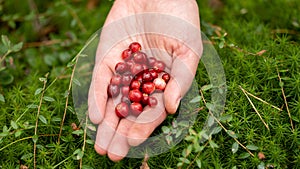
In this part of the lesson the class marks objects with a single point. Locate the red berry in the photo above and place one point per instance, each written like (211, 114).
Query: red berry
(116, 79)
(140, 57)
(135, 95)
(126, 54)
(126, 79)
(147, 77)
(122, 110)
(121, 67)
(159, 66)
(136, 68)
(153, 73)
(160, 84)
(166, 77)
(136, 108)
(145, 67)
(139, 77)
(152, 101)
(135, 84)
(126, 100)
(148, 87)
(151, 61)
(125, 90)
(145, 99)
(113, 90)
(135, 46)
(130, 64)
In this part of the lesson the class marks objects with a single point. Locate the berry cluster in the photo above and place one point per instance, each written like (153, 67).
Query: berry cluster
(136, 79)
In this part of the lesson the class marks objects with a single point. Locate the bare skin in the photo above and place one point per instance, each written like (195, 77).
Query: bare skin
(115, 136)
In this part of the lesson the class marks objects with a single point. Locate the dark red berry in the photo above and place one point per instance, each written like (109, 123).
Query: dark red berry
(151, 61)
(145, 99)
(136, 68)
(136, 108)
(153, 73)
(126, 54)
(126, 79)
(125, 90)
(159, 66)
(147, 77)
(122, 110)
(152, 101)
(116, 79)
(113, 90)
(148, 87)
(139, 78)
(140, 57)
(135, 47)
(135, 95)
(135, 84)
(121, 67)
(166, 77)
(160, 84)
(126, 100)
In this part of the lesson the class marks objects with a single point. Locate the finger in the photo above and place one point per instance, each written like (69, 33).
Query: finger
(106, 129)
(119, 146)
(182, 74)
(146, 122)
(97, 94)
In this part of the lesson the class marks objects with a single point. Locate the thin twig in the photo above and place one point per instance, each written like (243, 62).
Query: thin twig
(284, 97)
(42, 43)
(84, 139)
(257, 98)
(70, 86)
(37, 120)
(244, 147)
(5, 55)
(255, 108)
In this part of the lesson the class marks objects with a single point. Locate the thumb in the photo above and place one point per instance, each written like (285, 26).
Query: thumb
(182, 74)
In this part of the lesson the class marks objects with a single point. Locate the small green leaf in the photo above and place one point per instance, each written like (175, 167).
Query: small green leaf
(77, 132)
(213, 144)
(76, 81)
(42, 79)
(92, 142)
(6, 42)
(235, 147)
(206, 87)
(261, 166)
(18, 133)
(198, 162)
(244, 155)
(56, 119)
(221, 44)
(234, 167)
(184, 160)
(71, 109)
(169, 139)
(38, 91)
(179, 164)
(196, 99)
(79, 154)
(179, 132)
(216, 130)
(35, 138)
(49, 99)
(252, 147)
(32, 106)
(17, 47)
(210, 120)
(87, 167)
(210, 106)
(231, 134)
(281, 84)
(13, 124)
(165, 129)
(2, 99)
(43, 119)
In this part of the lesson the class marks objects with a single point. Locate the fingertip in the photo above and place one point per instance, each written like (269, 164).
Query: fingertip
(99, 150)
(115, 157)
(172, 96)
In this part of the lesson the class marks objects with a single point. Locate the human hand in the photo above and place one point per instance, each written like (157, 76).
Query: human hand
(115, 136)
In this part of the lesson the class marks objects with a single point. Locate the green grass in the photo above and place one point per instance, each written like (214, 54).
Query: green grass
(251, 26)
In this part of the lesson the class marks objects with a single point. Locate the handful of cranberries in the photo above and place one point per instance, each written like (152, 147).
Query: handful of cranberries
(136, 80)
